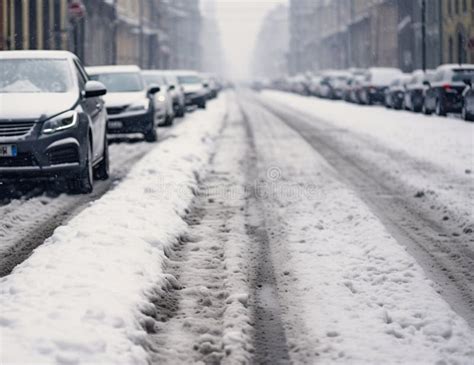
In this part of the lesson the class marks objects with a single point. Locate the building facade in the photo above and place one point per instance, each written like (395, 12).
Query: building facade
(148, 33)
(458, 31)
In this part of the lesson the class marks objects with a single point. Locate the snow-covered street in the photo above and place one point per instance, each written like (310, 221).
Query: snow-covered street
(270, 228)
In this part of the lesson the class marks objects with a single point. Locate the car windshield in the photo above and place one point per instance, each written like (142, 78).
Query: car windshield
(35, 76)
(462, 74)
(120, 82)
(153, 79)
(189, 79)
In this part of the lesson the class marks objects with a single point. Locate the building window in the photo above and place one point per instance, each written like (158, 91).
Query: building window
(451, 50)
(464, 6)
(456, 6)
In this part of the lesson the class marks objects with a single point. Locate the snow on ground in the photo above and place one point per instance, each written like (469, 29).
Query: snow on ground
(78, 298)
(21, 216)
(350, 292)
(431, 157)
(445, 142)
(211, 322)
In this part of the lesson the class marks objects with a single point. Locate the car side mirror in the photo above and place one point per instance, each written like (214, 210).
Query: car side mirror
(94, 89)
(427, 83)
(154, 89)
(171, 87)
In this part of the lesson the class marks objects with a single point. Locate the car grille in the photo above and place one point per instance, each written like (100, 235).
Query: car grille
(116, 110)
(63, 155)
(15, 129)
(22, 160)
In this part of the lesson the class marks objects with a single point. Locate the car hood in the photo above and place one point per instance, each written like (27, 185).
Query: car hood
(192, 88)
(35, 106)
(122, 99)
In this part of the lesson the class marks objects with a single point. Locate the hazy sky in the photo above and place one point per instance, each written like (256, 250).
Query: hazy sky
(239, 21)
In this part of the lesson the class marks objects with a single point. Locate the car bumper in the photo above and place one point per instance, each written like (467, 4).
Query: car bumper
(40, 156)
(124, 124)
(195, 99)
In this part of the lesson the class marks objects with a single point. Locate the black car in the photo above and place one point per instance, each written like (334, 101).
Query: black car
(376, 82)
(445, 93)
(52, 120)
(415, 90)
(468, 102)
(129, 101)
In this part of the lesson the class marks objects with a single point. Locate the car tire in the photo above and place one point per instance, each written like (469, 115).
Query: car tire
(151, 135)
(102, 171)
(439, 109)
(84, 183)
(181, 111)
(466, 115)
(202, 105)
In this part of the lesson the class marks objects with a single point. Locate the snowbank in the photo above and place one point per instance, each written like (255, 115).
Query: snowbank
(77, 299)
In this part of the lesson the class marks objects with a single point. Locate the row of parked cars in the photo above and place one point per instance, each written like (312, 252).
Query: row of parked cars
(448, 89)
(56, 115)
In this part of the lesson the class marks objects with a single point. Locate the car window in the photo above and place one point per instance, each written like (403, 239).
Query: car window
(118, 82)
(81, 76)
(35, 76)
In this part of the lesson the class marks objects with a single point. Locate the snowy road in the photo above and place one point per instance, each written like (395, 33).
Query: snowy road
(269, 229)
(423, 204)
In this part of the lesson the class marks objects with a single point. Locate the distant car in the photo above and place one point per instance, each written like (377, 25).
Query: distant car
(333, 83)
(445, 93)
(164, 111)
(356, 88)
(376, 82)
(395, 94)
(468, 101)
(130, 104)
(195, 90)
(177, 92)
(415, 90)
(52, 120)
(213, 85)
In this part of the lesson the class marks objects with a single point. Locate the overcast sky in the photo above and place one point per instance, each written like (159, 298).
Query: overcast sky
(240, 21)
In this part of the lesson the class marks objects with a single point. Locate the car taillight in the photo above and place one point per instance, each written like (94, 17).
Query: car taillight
(447, 87)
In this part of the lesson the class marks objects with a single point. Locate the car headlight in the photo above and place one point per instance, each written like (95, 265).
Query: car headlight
(139, 106)
(60, 122)
(161, 98)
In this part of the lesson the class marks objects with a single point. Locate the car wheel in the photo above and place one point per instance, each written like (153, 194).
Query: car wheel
(425, 110)
(84, 183)
(202, 105)
(181, 111)
(102, 172)
(439, 109)
(466, 115)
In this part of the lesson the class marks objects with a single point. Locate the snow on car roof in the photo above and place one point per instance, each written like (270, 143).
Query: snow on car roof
(112, 69)
(36, 54)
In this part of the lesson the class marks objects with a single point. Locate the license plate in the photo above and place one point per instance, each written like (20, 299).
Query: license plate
(115, 125)
(8, 150)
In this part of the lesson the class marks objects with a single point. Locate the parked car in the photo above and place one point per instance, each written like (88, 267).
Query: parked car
(333, 83)
(177, 93)
(376, 82)
(130, 104)
(445, 93)
(356, 89)
(395, 94)
(468, 101)
(52, 120)
(213, 85)
(195, 89)
(163, 99)
(415, 90)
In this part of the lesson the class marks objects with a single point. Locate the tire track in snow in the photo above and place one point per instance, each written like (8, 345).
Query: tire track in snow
(443, 256)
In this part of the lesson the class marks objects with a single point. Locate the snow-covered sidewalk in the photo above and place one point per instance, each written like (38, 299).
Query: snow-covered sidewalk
(78, 299)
